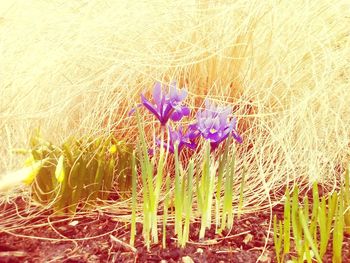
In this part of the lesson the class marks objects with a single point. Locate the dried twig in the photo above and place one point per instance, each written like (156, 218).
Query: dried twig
(123, 244)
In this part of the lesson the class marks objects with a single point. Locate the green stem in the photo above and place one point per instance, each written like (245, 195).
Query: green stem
(134, 201)
(178, 196)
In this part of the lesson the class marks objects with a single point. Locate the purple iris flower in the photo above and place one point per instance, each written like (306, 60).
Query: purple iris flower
(167, 106)
(213, 125)
(184, 139)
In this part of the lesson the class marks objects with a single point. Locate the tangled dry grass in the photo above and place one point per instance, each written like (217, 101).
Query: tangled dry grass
(79, 66)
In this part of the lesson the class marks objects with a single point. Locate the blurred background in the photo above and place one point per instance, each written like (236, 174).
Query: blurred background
(77, 67)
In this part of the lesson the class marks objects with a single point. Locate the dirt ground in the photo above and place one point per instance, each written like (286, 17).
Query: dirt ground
(99, 237)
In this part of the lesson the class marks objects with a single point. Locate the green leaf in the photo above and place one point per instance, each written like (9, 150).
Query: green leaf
(309, 239)
(306, 208)
(286, 223)
(297, 233)
(29, 173)
(346, 196)
(59, 172)
(188, 205)
(315, 206)
(221, 169)
(166, 206)
(277, 236)
(322, 220)
(332, 206)
(134, 201)
(338, 235)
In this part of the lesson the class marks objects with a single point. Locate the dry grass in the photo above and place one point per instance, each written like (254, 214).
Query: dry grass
(78, 67)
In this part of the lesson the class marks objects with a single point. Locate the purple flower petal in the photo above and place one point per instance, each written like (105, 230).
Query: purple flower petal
(172, 91)
(149, 106)
(176, 116)
(223, 136)
(212, 124)
(208, 123)
(166, 114)
(214, 137)
(167, 105)
(191, 145)
(179, 113)
(233, 123)
(237, 137)
(182, 94)
(224, 115)
(132, 111)
(150, 152)
(178, 136)
(207, 104)
(157, 94)
(214, 145)
(185, 111)
(193, 132)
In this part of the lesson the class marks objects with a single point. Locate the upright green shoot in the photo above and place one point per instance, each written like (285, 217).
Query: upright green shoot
(240, 203)
(151, 191)
(221, 170)
(322, 221)
(227, 211)
(338, 235)
(183, 199)
(188, 204)
(277, 238)
(205, 191)
(178, 202)
(286, 225)
(346, 196)
(78, 172)
(296, 227)
(314, 215)
(166, 207)
(308, 237)
(133, 200)
(326, 213)
(325, 219)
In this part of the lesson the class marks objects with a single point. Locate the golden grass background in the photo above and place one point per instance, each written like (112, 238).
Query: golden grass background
(74, 67)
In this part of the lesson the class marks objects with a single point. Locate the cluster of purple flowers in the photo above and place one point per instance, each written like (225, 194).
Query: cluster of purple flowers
(167, 106)
(213, 123)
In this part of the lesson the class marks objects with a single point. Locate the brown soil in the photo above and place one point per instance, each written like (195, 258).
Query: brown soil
(98, 237)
